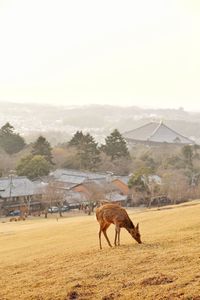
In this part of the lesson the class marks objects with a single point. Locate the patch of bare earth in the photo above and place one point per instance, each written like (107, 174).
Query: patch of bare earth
(157, 280)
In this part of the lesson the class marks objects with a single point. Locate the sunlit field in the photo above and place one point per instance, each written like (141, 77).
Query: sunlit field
(60, 259)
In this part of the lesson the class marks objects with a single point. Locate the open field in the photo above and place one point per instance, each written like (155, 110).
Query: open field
(49, 259)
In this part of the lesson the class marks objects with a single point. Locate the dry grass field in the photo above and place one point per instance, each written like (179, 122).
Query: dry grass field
(49, 259)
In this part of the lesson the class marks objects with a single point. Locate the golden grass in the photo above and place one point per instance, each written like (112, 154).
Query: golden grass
(48, 259)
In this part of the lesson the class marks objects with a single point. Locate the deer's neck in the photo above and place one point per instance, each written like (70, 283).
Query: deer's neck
(128, 224)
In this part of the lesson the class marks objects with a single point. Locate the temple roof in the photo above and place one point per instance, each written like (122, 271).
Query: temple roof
(156, 132)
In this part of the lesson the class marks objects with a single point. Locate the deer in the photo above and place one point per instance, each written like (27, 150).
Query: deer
(108, 214)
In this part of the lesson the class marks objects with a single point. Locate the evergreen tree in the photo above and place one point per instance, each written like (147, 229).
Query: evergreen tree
(42, 147)
(191, 166)
(76, 139)
(88, 154)
(139, 180)
(33, 166)
(10, 141)
(115, 146)
(7, 129)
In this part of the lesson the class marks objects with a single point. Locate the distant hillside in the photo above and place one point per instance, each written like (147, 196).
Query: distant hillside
(59, 123)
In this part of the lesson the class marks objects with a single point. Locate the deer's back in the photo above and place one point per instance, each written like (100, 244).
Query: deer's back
(112, 213)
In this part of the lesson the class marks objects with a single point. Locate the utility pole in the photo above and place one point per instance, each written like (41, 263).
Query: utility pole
(11, 175)
(109, 181)
(11, 184)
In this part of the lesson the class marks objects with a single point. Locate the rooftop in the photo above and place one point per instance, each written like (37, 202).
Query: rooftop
(156, 132)
(17, 186)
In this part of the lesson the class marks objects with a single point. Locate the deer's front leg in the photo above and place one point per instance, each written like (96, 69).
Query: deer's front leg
(100, 239)
(115, 242)
(117, 235)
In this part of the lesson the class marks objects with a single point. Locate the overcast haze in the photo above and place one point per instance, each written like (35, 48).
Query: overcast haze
(144, 53)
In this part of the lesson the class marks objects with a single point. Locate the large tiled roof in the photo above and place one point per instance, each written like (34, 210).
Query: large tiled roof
(17, 186)
(156, 132)
(77, 177)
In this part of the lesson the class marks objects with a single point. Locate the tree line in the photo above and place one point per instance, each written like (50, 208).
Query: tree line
(81, 152)
(178, 166)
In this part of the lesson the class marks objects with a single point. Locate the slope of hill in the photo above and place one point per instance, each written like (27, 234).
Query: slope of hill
(49, 259)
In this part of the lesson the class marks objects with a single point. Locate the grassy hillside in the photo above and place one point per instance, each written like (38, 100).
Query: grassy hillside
(49, 259)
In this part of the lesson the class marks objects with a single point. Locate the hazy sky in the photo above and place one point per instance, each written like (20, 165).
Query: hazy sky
(144, 53)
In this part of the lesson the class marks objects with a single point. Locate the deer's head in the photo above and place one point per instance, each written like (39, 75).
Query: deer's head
(136, 233)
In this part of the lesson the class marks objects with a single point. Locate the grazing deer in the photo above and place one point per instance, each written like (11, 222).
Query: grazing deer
(114, 214)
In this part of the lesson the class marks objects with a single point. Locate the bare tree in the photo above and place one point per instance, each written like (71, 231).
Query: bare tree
(176, 186)
(95, 193)
(54, 195)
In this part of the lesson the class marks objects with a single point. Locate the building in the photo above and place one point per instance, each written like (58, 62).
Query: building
(121, 183)
(74, 199)
(91, 186)
(19, 193)
(156, 133)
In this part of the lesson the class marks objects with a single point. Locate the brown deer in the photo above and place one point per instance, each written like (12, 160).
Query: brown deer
(108, 214)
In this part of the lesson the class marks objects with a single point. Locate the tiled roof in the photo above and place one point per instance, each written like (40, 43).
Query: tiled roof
(156, 132)
(18, 186)
(114, 196)
(141, 133)
(77, 177)
(71, 178)
(124, 179)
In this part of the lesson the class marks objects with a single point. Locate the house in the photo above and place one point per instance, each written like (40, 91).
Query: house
(117, 197)
(115, 190)
(75, 176)
(74, 199)
(91, 186)
(156, 133)
(93, 189)
(121, 182)
(69, 178)
(19, 192)
(86, 187)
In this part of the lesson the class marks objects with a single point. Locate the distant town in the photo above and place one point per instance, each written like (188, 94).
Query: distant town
(151, 165)
(58, 124)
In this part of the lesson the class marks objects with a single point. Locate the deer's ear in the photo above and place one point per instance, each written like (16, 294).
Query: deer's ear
(137, 226)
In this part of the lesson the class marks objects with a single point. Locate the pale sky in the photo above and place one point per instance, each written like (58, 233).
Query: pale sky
(75, 52)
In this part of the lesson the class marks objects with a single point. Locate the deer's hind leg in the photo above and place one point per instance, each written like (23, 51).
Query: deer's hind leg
(105, 234)
(100, 238)
(104, 227)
